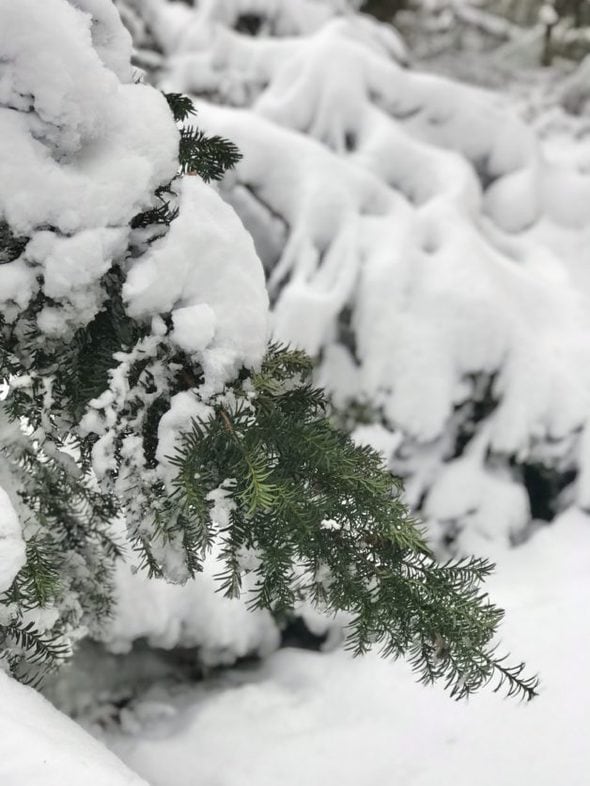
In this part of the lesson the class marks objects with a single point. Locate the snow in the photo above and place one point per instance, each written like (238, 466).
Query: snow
(330, 719)
(429, 247)
(206, 272)
(12, 545)
(548, 15)
(194, 615)
(82, 156)
(41, 747)
(575, 92)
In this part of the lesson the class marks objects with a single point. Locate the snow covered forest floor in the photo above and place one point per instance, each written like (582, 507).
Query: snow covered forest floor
(323, 719)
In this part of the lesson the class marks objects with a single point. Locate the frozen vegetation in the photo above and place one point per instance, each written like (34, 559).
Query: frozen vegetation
(426, 242)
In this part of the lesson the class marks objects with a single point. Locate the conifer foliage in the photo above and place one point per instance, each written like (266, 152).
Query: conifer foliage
(110, 412)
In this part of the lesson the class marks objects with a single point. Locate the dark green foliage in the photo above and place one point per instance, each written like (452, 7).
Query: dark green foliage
(36, 651)
(69, 563)
(327, 523)
(164, 214)
(208, 156)
(180, 105)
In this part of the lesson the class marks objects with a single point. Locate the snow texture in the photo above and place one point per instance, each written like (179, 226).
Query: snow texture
(41, 747)
(81, 156)
(206, 273)
(79, 159)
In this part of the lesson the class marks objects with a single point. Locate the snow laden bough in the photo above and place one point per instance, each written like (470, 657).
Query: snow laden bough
(133, 336)
(415, 236)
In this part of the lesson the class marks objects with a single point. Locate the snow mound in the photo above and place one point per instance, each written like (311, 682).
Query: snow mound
(304, 717)
(41, 747)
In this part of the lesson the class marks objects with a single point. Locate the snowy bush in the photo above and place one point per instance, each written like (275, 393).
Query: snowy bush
(397, 215)
(141, 408)
(85, 164)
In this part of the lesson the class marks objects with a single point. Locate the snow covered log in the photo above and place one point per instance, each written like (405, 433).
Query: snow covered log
(404, 221)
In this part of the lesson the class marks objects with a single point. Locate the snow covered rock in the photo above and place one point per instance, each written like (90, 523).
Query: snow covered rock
(41, 747)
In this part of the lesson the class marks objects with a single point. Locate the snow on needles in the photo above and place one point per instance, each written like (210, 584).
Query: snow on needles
(84, 149)
(206, 272)
(79, 155)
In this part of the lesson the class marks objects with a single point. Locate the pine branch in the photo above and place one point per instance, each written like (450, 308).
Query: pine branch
(209, 157)
(180, 105)
(304, 495)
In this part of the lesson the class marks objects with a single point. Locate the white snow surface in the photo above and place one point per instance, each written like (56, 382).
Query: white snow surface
(41, 747)
(206, 272)
(327, 719)
(12, 545)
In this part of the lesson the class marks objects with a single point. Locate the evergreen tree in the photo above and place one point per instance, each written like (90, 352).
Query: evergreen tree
(92, 390)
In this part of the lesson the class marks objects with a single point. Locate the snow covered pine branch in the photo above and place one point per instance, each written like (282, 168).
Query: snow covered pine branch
(139, 387)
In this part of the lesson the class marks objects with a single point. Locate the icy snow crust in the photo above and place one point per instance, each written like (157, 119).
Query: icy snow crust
(395, 214)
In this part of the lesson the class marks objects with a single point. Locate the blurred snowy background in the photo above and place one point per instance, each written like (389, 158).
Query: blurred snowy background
(416, 178)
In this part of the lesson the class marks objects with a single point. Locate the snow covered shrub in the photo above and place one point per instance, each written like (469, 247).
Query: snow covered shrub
(139, 390)
(408, 226)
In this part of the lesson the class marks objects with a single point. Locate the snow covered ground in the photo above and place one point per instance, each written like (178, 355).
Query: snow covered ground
(329, 720)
